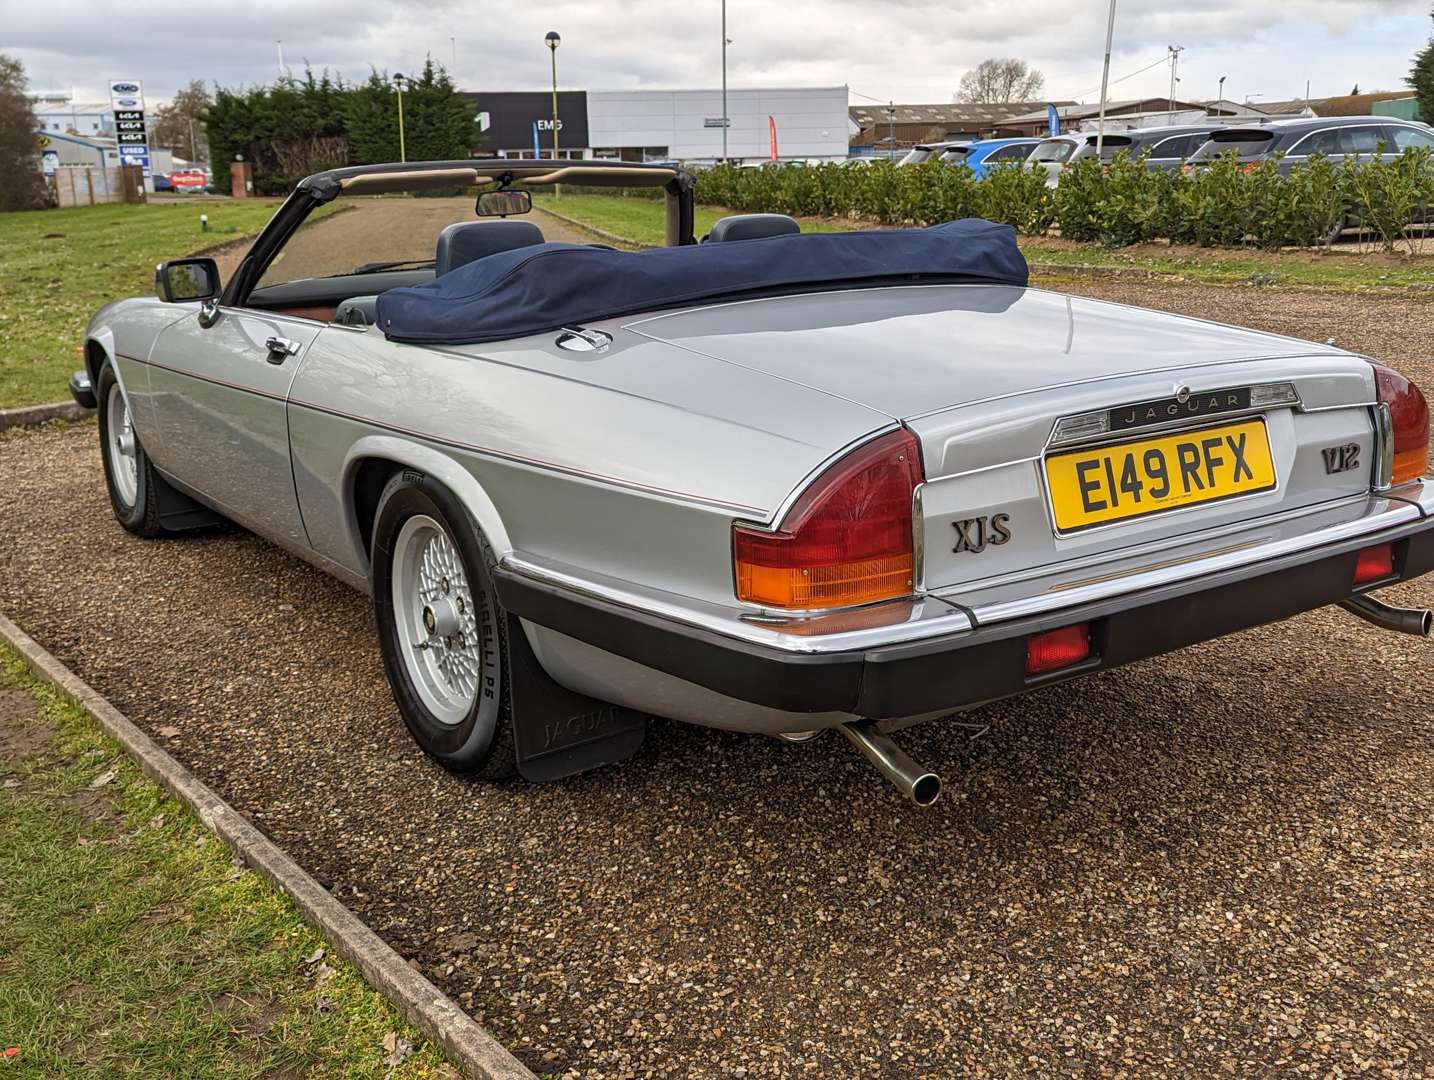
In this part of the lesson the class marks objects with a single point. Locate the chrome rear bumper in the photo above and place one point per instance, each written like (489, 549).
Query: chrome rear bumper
(940, 653)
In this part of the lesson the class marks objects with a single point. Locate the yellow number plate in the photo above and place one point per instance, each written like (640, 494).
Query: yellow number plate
(1113, 483)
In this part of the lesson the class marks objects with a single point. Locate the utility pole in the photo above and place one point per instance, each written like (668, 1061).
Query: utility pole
(453, 44)
(725, 43)
(281, 57)
(1175, 51)
(1104, 82)
(891, 127)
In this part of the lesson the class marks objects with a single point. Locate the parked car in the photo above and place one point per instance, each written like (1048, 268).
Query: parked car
(979, 156)
(777, 482)
(1358, 138)
(1059, 152)
(926, 151)
(1167, 148)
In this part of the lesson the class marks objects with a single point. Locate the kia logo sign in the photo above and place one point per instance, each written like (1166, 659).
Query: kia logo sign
(124, 88)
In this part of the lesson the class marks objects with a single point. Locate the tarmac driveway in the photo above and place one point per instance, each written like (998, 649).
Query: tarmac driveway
(1221, 862)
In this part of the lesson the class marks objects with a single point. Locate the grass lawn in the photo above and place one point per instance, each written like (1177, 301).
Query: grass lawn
(1345, 267)
(130, 943)
(58, 266)
(641, 221)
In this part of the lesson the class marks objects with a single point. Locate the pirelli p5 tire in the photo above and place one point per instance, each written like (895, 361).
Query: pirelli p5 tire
(134, 486)
(441, 628)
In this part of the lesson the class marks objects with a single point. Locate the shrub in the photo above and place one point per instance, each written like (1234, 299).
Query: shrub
(1016, 195)
(1211, 204)
(1225, 202)
(1386, 194)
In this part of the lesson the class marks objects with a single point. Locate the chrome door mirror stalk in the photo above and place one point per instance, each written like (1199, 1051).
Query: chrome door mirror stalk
(208, 313)
(1416, 621)
(918, 784)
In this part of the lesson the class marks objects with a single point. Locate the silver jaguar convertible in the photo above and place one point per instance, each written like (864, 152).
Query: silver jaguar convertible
(768, 480)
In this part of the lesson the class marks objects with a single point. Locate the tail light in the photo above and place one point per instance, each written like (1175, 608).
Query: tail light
(847, 539)
(1056, 649)
(1409, 414)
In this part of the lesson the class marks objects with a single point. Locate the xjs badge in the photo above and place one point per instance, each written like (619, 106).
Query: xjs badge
(976, 534)
(1338, 459)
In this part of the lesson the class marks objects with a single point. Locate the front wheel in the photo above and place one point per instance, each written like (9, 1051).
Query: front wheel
(441, 628)
(130, 478)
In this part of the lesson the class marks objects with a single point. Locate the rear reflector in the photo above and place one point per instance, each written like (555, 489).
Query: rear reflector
(1374, 564)
(1056, 649)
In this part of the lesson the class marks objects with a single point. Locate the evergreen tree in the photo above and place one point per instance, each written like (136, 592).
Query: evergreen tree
(1421, 77)
(22, 185)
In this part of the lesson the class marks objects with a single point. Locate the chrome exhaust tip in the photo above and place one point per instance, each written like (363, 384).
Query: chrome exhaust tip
(917, 784)
(1416, 621)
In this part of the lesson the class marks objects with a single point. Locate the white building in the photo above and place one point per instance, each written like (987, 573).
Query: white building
(686, 125)
(59, 112)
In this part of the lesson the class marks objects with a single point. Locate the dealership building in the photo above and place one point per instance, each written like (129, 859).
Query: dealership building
(810, 124)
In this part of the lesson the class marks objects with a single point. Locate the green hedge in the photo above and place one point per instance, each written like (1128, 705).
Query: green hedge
(1226, 203)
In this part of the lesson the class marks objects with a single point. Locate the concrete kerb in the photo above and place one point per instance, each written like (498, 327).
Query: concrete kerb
(469, 1046)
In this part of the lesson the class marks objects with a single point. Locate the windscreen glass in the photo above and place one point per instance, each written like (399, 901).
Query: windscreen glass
(1243, 143)
(368, 234)
(1053, 150)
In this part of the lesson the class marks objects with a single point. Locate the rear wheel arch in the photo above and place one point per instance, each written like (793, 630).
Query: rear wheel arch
(374, 461)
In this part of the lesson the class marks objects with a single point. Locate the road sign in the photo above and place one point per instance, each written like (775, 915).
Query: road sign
(127, 103)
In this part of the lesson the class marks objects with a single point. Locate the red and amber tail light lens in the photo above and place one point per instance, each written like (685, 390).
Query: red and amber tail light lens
(847, 540)
(1409, 413)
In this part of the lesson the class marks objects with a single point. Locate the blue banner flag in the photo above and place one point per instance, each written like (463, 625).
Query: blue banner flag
(1053, 118)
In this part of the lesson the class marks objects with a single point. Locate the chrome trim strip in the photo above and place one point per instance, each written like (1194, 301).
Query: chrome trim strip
(1383, 448)
(1163, 574)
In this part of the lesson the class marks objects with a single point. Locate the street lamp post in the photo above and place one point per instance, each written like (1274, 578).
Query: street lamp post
(398, 86)
(554, 40)
(725, 43)
(1220, 94)
(1104, 82)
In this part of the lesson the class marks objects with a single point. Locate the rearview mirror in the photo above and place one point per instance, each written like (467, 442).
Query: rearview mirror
(181, 281)
(503, 203)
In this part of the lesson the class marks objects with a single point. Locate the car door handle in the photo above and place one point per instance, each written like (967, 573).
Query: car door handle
(281, 348)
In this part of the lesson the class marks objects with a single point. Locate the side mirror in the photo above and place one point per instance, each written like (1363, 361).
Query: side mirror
(503, 203)
(181, 281)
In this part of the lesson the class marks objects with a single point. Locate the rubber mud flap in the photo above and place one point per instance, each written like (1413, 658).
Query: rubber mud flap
(178, 512)
(558, 733)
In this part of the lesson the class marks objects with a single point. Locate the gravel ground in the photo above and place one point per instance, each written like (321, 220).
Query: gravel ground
(1220, 862)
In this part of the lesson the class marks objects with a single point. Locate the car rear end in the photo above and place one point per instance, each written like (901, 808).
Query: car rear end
(1064, 487)
(1251, 145)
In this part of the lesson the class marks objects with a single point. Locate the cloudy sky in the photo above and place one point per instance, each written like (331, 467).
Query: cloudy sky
(907, 50)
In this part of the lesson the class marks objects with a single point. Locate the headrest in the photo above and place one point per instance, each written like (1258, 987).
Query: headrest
(752, 227)
(468, 240)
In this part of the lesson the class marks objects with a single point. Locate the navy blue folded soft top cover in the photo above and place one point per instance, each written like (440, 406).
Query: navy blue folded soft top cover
(548, 286)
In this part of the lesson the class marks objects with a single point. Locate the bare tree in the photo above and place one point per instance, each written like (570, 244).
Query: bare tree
(998, 81)
(179, 125)
(22, 186)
